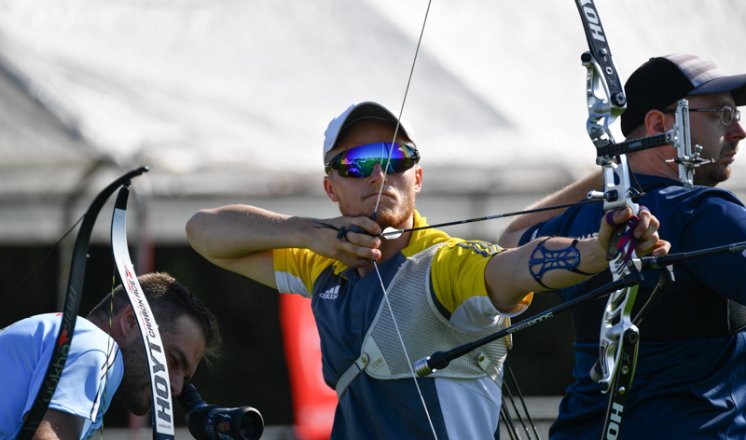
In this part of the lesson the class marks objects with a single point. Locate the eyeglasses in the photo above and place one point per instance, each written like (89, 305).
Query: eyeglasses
(360, 161)
(728, 114)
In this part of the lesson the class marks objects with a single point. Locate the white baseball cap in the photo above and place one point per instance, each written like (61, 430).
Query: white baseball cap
(357, 112)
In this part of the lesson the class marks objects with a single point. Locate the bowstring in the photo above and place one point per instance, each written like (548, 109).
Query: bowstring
(109, 340)
(406, 355)
(375, 210)
(403, 103)
(512, 392)
(8, 296)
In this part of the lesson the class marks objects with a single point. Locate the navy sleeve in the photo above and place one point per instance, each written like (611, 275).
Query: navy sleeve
(717, 221)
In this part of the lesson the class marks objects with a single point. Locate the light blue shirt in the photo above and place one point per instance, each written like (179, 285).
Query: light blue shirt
(91, 376)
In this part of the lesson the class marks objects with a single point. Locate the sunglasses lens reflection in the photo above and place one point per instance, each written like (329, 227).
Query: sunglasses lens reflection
(360, 161)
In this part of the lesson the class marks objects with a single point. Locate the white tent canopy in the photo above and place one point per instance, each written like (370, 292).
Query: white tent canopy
(227, 100)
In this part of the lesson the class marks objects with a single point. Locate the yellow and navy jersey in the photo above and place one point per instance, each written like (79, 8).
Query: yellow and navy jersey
(457, 276)
(345, 304)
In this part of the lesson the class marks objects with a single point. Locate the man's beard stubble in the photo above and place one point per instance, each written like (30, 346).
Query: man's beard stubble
(396, 217)
(712, 174)
(134, 391)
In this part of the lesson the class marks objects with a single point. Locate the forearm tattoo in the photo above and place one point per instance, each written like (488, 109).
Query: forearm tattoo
(543, 260)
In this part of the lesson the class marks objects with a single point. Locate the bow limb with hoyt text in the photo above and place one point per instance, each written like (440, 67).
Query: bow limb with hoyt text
(619, 337)
(162, 410)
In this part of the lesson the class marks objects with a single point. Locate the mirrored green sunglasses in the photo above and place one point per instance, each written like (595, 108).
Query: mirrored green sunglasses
(359, 161)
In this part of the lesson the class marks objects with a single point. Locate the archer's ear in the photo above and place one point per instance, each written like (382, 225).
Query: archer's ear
(418, 178)
(127, 321)
(329, 189)
(656, 122)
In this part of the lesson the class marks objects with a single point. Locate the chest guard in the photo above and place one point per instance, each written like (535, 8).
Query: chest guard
(424, 331)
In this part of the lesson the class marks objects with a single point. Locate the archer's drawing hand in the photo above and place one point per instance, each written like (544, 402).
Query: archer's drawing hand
(645, 232)
(353, 241)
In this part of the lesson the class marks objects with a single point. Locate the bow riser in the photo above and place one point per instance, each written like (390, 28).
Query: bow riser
(601, 111)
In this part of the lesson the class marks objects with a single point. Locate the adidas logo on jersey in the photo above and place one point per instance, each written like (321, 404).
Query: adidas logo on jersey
(330, 293)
